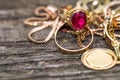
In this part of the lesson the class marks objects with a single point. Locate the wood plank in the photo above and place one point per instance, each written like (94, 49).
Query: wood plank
(22, 60)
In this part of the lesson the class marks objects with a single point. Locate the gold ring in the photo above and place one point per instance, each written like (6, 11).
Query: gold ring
(77, 20)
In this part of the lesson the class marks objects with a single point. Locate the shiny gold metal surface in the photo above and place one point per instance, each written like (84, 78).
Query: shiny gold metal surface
(99, 58)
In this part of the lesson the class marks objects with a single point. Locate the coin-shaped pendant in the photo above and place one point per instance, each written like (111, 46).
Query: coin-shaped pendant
(99, 58)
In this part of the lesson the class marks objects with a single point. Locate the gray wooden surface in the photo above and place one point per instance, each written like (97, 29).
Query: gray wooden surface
(22, 60)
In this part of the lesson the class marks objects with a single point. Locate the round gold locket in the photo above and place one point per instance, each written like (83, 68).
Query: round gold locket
(99, 58)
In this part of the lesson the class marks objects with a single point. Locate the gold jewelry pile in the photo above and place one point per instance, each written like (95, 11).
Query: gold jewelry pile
(77, 21)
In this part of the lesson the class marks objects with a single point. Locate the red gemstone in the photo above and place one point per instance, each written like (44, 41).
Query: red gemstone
(78, 20)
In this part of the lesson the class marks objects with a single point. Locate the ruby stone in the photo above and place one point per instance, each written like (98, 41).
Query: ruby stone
(78, 20)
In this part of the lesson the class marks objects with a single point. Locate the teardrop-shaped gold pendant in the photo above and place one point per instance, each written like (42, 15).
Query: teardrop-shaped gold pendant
(99, 58)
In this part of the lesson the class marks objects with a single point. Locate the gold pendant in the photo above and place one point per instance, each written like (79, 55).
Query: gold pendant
(99, 58)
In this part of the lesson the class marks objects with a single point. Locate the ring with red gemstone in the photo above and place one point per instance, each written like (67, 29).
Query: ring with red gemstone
(77, 20)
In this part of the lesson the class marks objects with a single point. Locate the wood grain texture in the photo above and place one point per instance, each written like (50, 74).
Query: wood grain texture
(22, 60)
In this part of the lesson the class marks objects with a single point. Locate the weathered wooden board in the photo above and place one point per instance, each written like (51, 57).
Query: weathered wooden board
(22, 60)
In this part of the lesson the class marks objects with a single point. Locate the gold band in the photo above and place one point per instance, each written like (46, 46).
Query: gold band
(68, 50)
